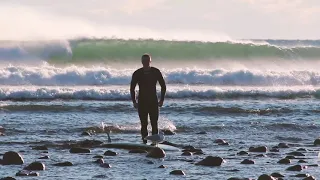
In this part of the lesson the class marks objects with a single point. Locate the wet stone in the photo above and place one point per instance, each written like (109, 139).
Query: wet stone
(67, 163)
(277, 175)
(247, 161)
(283, 145)
(242, 153)
(284, 161)
(110, 153)
(177, 172)
(296, 153)
(258, 149)
(295, 168)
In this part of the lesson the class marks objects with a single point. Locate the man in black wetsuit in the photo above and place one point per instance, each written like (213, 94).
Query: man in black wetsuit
(147, 78)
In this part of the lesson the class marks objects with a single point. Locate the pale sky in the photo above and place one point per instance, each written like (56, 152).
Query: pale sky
(167, 19)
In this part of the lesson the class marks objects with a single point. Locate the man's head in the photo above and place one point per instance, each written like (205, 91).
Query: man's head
(146, 60)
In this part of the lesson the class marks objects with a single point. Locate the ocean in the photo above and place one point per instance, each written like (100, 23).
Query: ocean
(247, 92)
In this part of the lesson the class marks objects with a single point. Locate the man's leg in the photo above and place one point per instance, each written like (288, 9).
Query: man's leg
(154, 115)
(143, 115)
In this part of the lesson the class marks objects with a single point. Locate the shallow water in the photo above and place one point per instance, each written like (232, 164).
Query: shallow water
(242, 122)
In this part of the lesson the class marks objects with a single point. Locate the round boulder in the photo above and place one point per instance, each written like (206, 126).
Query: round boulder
(295, 168)
(266, 177)
(258, 149)
(156, 153)
(211, 161)
(67, 163)
(110, 153)
(12, 158)
(177, 172)
(8, 178)
(277, 175)
(296, 153)
(284, 161)
(247, 161)
(242, 153)
(317, 142)
(35, 166)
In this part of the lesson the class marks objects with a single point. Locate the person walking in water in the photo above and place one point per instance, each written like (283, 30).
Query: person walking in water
(148, 104)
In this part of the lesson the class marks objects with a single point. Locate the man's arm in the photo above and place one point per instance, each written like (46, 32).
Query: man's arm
(163, 86)
(133, 84)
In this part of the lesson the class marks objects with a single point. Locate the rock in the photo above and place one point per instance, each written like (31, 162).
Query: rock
(67, 163)
(168, 132)
(99, 161)
(283, 145)
(302, 150)
(317, 142)
(211, 161)
(105, 165)
(12, 158)
(35, 166)
(266, 177)
(110, 153)
(224, 144)
(296, 153)
(313, 165)
(258, 149)
(202, 132)
(100, 177)
(34, 174)
(156, 153)
(8, 178)
(141, 151)
(302, 161)
(97, 156)
(284, 161)
(242, 153)
(150, 162)
(161, 166)
(219, 141)
(42, 148)
(295, 168)
(44, 157)
(290, 157)
(186, 153)
(277, 175)
(274, 150)
(309, 178)
(177, 172)
(85, 133)
(302, 175)
(22, 173)
(79, 150)
(247, 161)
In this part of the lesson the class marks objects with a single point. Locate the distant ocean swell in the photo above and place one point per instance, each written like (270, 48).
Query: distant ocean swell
(21, 94)
(72, 75)
(113, 50)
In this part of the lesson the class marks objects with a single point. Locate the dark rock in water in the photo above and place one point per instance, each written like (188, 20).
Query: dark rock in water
(258, 149)
(22, 173)
(156, 153)
(317, 142)
(35, 166)
(177, 172)
(261, 155)
(274, 150)
(12, 158)
(99, 161)
(110, 153)
(242, 153)
(302, 150)
(302, 161)
(211, 161)
(138, 151)
(67, 163)
(284, 161)
(45, 152)
(97, 156)
(313, 165)
(161, 166)
(295, 168)
(42, 148)
(105, 165)
(309, 178)
(266, 177)
(86, 133)
(8, 178)
(233, 170)
(219, 141)
(295, 153)
(224, 144)
(290, 157)
(283, 145)
(100, 176)
(202, 132)
(302, 175)
(247, 161)
(186, 153)
(1, 161)
(150, 162)
(79, 150)
(168, 132)
(277, 175)
(34, 174)
(44, 157)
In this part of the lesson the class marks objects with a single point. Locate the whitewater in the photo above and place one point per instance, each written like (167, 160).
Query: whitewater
(246, 92)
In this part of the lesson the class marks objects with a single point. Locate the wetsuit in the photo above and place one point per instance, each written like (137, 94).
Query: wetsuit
(147, 97)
